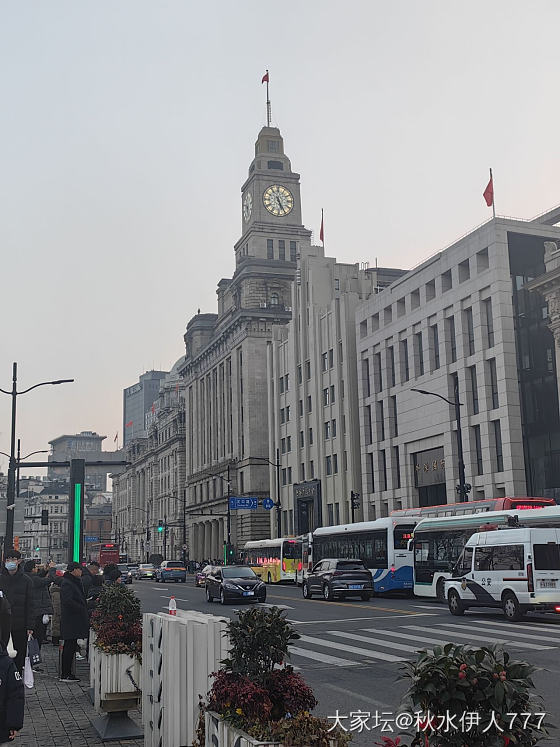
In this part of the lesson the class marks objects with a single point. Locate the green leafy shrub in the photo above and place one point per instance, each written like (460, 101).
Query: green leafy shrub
(457, 679)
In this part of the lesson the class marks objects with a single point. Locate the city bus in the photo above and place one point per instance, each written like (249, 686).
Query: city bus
(472, 507)
(382, 545)
(105, 552)
(273, 560)
(438, 541)
(305, 550)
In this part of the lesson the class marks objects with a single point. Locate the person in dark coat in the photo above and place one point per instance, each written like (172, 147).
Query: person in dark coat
(18, 590)
(42, 603)
(89, 573)
(12, 698)
(74, 622)
(54, 591)
(111, 574)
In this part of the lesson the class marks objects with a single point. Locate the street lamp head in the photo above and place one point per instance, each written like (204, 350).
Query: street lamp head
(62, 381)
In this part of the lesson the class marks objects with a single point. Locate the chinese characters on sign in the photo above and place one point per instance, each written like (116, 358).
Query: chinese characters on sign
(429, 467)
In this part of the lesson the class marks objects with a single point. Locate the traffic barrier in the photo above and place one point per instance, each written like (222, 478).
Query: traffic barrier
(179, 653)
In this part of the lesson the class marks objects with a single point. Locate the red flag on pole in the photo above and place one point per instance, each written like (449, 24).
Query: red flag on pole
(116, 437)
(153, 407)
(488, 193)
(265, 78)
(128, 424)
(322, 231)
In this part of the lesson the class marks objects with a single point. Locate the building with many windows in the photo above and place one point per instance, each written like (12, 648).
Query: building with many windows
(464, 319)
(225, 367)
(85, 445)
(312, 392)
(137, 404)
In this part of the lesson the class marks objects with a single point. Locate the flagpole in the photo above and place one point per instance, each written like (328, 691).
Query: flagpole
(493, 195)
(322, 229)
(268, 113)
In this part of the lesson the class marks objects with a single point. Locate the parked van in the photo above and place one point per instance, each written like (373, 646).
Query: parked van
(515, 569)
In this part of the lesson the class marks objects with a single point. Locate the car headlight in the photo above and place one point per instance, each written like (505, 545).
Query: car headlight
(230, 586)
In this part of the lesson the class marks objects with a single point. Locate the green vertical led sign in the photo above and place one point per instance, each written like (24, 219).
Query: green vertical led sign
(77, 522)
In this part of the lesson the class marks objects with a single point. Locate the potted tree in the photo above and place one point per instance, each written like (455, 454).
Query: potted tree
(117, 624)
(468, 697)
(255, 698)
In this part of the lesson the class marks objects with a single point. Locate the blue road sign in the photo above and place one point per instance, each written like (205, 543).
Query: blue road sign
(236, 503)
(91, 539)
(268, 503)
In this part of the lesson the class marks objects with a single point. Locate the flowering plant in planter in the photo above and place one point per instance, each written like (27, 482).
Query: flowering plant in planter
(117, 621)
(455, 681)
(254, 695)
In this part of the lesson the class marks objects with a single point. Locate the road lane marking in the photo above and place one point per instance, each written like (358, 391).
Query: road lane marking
(357, 696)
(538, 637)
(473, 637)
(323, 658)
(428, 606)
(350, 649)
(377, 641)
(407, 636)
(526, 626)
(349, 604)
(351, 619)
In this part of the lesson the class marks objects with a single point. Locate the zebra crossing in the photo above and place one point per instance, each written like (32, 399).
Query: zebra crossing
(370, 645)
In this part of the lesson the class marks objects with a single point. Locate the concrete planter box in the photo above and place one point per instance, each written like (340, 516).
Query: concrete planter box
(116, 678)
(221, 734)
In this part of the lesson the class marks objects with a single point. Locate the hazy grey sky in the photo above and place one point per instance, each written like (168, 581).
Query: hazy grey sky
(127, 128)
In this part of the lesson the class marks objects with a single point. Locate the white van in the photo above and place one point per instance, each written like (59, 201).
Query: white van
(515, 569)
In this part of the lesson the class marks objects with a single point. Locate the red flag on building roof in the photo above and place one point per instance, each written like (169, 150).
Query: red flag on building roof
(265, 78)
(128, 424)
(153, 407)
(322, 231)
(488, 193)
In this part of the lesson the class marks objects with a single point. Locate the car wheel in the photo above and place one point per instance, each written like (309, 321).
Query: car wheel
(209, 597)
(306, 591)
(222, 597)
(455, 604)
(440, 590)
(327, 593)
(511, 607)
(269, 579)
(366, 596)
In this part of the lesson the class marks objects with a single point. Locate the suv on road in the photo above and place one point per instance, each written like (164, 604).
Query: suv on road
(337, 577)
(172, 570)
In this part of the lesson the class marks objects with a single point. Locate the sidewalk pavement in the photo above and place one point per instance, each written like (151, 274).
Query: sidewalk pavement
(59, 714)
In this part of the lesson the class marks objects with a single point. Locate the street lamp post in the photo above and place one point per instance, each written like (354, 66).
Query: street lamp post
(463, 488)
(11, 487)
(278, 504)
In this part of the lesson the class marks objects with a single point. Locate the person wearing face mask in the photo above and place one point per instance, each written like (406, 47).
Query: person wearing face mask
(74, 622)
(18, 590)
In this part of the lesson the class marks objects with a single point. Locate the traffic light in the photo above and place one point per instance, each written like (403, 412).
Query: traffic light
(160, 525)
(229, 554)
(37, 548)
(44, 517)
(355, 499)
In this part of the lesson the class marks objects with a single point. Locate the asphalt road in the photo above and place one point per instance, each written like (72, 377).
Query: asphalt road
(350, 651)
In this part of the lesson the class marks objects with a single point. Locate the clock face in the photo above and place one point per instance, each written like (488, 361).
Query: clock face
(247, 206)
(278, 200)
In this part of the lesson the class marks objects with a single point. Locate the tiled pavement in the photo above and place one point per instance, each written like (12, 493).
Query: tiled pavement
(59, 714)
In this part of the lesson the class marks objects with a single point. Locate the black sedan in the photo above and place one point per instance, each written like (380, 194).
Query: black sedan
(332, 577)
(126, 573)
(237, 583)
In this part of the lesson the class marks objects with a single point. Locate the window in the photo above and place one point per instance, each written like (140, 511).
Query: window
(282, 416)
(405, 371)
(327, 429)
(287, 382)
(276, 165)
(282, 250)
(468, 330)
(369, 430)
(328, 465)
(310, 436)
(311, 469)
(273, 146)
(288, 444)
(396, 467)
(478, 450)
(391, 360)
(289, 475)
(500, 558)
(307, 370)
(299, 375)
(380, 421)
(332, 394)
(435, 346)
(493, 382)
(340, 352)
(378, 372)
(269, 249)
(419, 354)
(281, 385)
(274, 299)
(498, 445)
(430, 290)
(464, 271)
(383, 469)
(331, 358)
(293, 251)
(482, 262)
(284, 476)
(547, 557)
(335, 463)
(474, 389)
(337, 284)
(489, 321)
(302, 471)
(451, 340)
(415, 299)
(394, 415)
(464, 564)
(300, 408)
(446, 281)
(301, 440)
(365, 377)
(325, 396)
(288, 414)
(330, 514)
(324, 361)
(333, 428)
(370, 473)
(309, 403)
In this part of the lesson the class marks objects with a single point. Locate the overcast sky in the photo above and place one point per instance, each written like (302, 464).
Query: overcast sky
(127, 128)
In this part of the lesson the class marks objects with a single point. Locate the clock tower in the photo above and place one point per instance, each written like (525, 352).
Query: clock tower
(272, 228)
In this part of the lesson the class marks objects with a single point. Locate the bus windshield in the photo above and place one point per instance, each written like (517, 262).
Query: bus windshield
(292, 549)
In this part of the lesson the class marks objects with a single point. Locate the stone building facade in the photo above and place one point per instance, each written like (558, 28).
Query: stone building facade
(312, 393)
(225, 367)
(465, 315)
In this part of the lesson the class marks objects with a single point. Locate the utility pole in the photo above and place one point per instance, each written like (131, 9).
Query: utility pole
(165, 536)
(185, 527)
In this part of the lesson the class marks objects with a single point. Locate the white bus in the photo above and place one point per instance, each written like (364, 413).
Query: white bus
(273, 560)
(439, 541)
(305, 542)
(381, 544)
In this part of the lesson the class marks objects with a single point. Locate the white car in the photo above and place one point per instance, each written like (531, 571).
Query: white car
(515, 569)
(146, 570)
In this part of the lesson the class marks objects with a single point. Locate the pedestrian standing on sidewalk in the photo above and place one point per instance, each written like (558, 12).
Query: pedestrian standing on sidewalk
(18, 590)
(89, 572)
(74, 618)
(12, 699)
(54, 591)
(42, 604)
